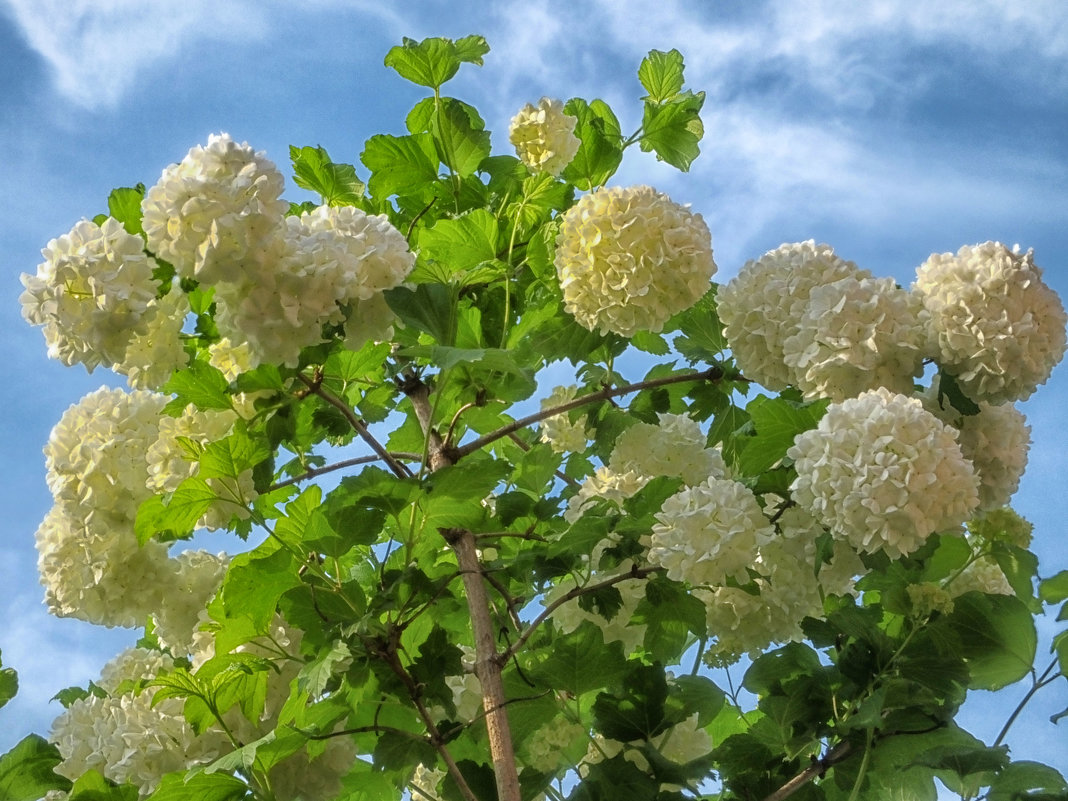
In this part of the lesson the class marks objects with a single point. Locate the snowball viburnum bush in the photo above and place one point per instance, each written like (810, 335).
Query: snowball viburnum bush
(440, 592)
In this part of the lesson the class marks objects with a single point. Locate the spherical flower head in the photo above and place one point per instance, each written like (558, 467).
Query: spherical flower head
(708, 533)
(883, 473)
(996, 441)
(91, 294)
(544, 136)
(124, 735)
(209, 211)
(93, 569)
(232, 358)
(152, 357)
(1002, 525)
(95, 455)
(763, 305)
(995, 324)
(562, 435)
(630, 258)
(857, 334)
(195, 576)
(173, 456)
(674, 447)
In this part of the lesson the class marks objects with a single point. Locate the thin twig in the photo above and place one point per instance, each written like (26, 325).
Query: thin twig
(634, 573)
(1036, 685)
(711, 374)
(316, 388)
(416, 218)
(313, 472)
(815, 770)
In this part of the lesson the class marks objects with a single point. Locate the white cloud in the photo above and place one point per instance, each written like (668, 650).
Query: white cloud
(96, 48)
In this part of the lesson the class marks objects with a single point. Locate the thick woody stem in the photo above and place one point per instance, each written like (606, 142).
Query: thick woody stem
(816, 769)
(487, 666)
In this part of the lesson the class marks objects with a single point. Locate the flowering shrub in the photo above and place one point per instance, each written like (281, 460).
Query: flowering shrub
(441, 592)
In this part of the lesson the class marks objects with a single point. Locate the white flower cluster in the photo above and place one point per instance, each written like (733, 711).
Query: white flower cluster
(674, 447)
(762, 306)
(708, 533)
(318, 263)
(92, 294)
(630, 258)
(207, 213)
(856, 334)
(983, 575)
(996, 441)
(194, 578)
(883, 473)
(562, 435)
(301, 777)
(544, 136)
(996, 325)
(126, 737)
(153, 356)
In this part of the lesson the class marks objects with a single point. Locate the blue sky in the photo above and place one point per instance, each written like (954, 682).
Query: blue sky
(890, 129)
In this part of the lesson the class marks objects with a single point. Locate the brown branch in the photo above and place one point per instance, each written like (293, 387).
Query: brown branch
(313, 472)
(634, 573)
(509, 602)
(315, 387)
(818, 767)
(437, 454)
(487, 664)
(607, 393)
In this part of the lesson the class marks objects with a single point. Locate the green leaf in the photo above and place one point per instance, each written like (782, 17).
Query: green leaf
(673, 130)
(542, 194)
(637, 711)
(616, 779)
(1054, 589)
(174, 518)
(702, 333)
(460, 132)
(124, 204)
(695, 695)
(950, 394)
(1021, 780)
(661, 75)
(964, 760)
(255, 581)
(231, 456)
(26, 771)
(461, 243)
(306, 528)
(670, 614)
(1019, 566)
(777, 422)
(337, 184)
(431, 62)
(200, 384)
(430, 308)
(577, 662)
(600, 143)
(9, 685)
(998, 639)
(92, 786)
(400, 165)
(199, 787)
(316, 674)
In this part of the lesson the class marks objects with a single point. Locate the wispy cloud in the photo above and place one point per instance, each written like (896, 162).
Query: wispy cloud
(96, 48)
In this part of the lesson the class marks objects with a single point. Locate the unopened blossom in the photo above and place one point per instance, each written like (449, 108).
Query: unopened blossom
(674, 446)
(883, 473)
(927, 598)
(93, 569)
(95, 455)
(763, 306)
(995, 324)
(207, 213)
(92, 293)
(630, 258)
(1002, 525)
(857, 334)
(563, 435)
(126, 737)
(152, 357)
(708, 533)
(544, 136)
